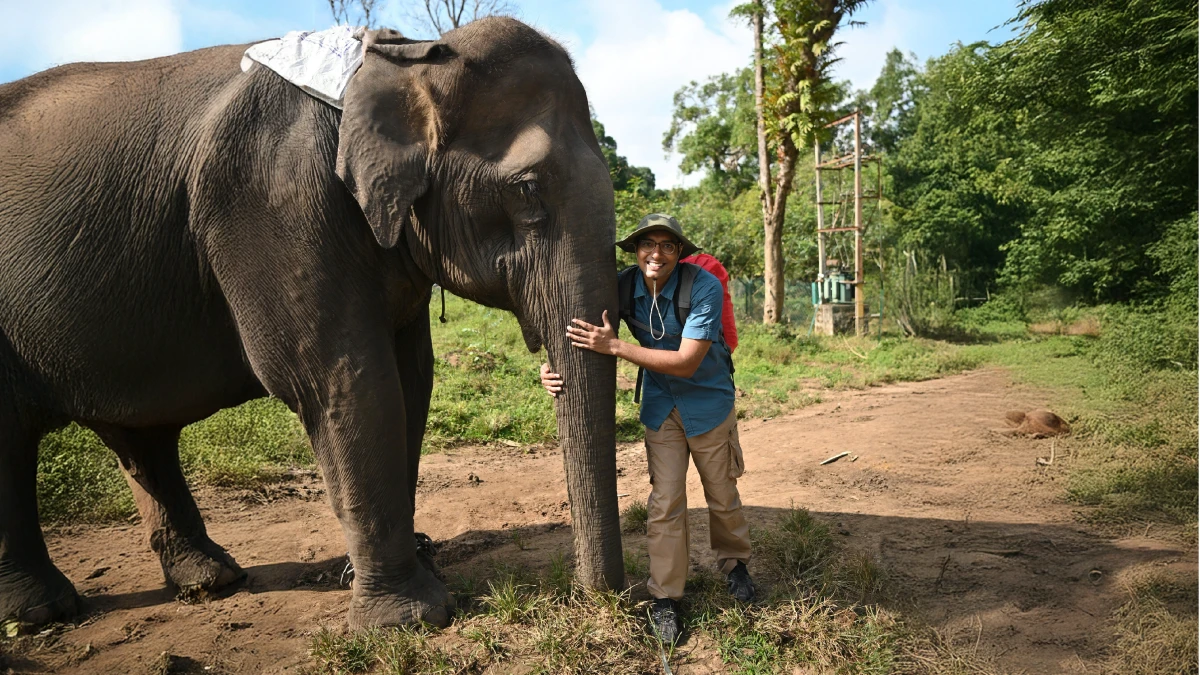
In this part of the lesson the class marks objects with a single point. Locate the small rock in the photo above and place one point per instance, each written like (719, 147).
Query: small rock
(97, 573)
(472, 478)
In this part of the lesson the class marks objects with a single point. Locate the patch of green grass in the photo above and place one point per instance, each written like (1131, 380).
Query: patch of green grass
(384, 650)
(79, 478)
(634, 518)
(559, 577)
(245, 446)
(637, 565)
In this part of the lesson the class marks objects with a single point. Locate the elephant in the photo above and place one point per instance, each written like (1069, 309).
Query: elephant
(178, 236)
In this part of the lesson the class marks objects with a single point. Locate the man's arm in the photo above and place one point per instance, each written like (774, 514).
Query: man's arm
(603, 339)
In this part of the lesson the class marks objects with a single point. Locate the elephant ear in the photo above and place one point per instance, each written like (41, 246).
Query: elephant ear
(389, 128)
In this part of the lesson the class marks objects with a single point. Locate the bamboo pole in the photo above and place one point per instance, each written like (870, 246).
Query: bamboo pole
(859, 285)
(821, 271)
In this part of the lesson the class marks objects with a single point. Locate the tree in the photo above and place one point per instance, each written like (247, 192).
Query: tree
(713, 127)
(356, 12)
(445, 15)
(792, 106)
(436, 16)
(624, 177)
(890, 105)
(1055, 158)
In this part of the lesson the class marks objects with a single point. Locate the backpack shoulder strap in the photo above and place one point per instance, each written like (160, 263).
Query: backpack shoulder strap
(683, 292)
(683, 295)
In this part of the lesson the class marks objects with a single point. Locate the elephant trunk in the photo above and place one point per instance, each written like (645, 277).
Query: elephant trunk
(586, 412)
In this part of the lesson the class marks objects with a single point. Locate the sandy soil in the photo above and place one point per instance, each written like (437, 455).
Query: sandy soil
(977, 534)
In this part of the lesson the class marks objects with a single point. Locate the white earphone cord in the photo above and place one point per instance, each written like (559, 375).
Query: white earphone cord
(655, 310)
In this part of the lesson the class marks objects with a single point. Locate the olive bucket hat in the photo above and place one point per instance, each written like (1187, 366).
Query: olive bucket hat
(658, 222)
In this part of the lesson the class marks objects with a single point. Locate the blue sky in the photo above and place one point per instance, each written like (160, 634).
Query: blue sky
(630, 54)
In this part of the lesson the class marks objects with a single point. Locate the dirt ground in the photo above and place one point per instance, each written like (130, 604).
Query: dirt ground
(976, 533)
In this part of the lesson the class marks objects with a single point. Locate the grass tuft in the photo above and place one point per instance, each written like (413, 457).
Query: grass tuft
(1156, 627)
(526, 624)
(634, 518)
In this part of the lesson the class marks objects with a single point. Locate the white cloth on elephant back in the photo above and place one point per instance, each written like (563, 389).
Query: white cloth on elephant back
(319, 62)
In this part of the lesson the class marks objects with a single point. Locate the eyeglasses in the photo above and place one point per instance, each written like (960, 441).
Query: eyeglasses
(667, 247)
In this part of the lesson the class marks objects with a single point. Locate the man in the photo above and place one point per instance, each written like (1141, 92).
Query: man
(687, 408)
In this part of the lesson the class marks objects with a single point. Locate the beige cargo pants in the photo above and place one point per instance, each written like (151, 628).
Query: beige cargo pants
(718, 458)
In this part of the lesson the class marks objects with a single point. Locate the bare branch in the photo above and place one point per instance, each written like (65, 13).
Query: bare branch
(440, 16)
(350, 11)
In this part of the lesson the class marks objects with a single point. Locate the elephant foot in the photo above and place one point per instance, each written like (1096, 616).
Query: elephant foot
(37, 599)
(421, 598)
(195, 566)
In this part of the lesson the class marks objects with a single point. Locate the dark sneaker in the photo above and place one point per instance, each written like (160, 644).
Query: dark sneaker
(741, 587)
(664, 619)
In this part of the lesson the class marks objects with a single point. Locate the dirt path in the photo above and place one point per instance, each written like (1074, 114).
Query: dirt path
(976, 533)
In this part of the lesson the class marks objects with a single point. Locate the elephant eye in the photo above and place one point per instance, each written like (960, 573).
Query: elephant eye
(529, 189)
(525, 206)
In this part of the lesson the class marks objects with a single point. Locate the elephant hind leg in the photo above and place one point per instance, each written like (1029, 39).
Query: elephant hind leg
(190, 561)
(32, 589)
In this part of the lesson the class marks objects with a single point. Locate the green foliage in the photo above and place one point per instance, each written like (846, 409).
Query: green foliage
(244, 446)
(1142, 339)
(634, 518)
(949, 177)
(713, 126)
(799, 96)
(79, 479)
(889, 107)
(923, 295)
(1041, 161)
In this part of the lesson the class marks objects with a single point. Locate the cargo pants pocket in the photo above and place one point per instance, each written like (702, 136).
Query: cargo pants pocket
(737, 463)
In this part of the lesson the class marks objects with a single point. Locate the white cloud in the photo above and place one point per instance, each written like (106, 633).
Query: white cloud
(640, 55)
(864, 49)
(39, 35)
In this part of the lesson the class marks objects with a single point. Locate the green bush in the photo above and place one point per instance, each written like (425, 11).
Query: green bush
(1147, 338)
(244, 446)
(79, 479)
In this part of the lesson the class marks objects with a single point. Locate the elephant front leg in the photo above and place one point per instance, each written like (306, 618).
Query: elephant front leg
(360, 437)
(414, 360)
(191, 562)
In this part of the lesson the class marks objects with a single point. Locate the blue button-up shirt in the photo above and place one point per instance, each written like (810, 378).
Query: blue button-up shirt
(704, 399)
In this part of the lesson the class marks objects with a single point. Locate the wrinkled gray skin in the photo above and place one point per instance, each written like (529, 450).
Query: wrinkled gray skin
(178, 237)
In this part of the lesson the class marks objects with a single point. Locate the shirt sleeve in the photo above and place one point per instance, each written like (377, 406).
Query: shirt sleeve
(704, 321)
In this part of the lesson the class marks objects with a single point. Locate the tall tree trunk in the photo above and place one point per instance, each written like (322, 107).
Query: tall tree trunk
(764, 160)
(773, 230)
(772, 207)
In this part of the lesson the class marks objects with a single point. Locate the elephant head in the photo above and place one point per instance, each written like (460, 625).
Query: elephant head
(475, 153)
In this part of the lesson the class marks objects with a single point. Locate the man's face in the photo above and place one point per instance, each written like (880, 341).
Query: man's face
(656, 263)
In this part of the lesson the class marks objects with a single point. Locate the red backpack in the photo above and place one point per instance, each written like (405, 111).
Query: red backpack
(714, 267)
